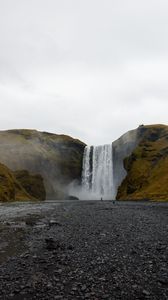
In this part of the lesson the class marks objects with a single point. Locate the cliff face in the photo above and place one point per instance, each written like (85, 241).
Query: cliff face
(11, 188)
(122, 148)
(32, 184)
(140, 164)
(147, 175)
(57, 158)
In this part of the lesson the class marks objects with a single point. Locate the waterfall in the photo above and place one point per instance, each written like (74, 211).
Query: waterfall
(86, 173)
(97, 175)
(103, 167)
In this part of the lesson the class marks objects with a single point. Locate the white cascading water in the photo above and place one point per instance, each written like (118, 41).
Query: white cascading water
(97, 175)
(86, 172)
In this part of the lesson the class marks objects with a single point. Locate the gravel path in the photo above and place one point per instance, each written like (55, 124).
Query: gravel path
(85, 250)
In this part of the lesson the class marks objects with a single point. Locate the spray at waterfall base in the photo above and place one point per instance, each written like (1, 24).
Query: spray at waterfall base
(97, 174)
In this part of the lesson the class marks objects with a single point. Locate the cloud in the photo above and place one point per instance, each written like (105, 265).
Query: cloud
(89, 69)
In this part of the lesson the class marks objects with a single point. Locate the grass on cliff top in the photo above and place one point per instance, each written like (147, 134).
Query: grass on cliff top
(44, 136)
(147, 175)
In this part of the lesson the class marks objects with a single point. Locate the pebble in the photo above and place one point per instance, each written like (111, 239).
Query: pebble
(93, 255)
(146, 293)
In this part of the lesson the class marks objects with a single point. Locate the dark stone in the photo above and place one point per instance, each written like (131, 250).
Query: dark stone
(70, 197)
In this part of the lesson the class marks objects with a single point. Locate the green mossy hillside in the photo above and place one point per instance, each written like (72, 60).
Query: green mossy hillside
(20, 185)
(147, 175)
(33, 184)
(57, 158)
(10, 188)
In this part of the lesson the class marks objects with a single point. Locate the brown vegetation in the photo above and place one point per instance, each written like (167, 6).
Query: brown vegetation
(20, 186)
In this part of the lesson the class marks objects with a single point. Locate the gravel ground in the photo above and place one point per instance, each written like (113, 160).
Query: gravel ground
(84, 250)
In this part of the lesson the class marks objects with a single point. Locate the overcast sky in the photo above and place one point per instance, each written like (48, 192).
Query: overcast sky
(92, 69)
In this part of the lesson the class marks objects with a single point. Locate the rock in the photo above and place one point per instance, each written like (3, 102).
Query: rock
(146, 293)
(72, 197)
(51, 244)
(83, 288)
(163, 280)
(134, 286)
(49, 285)
(54, 222)
(70, 247)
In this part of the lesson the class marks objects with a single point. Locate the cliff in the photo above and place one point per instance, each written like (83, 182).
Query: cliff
(122, 148)
(32, 184)
(57, 158)
(11, 188)
(140, 163)
(146, 166)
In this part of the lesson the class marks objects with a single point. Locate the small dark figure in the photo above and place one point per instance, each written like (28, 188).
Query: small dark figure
(113, 201)
(101, 199)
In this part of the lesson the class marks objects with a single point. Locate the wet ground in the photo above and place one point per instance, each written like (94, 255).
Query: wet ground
(84, 250)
